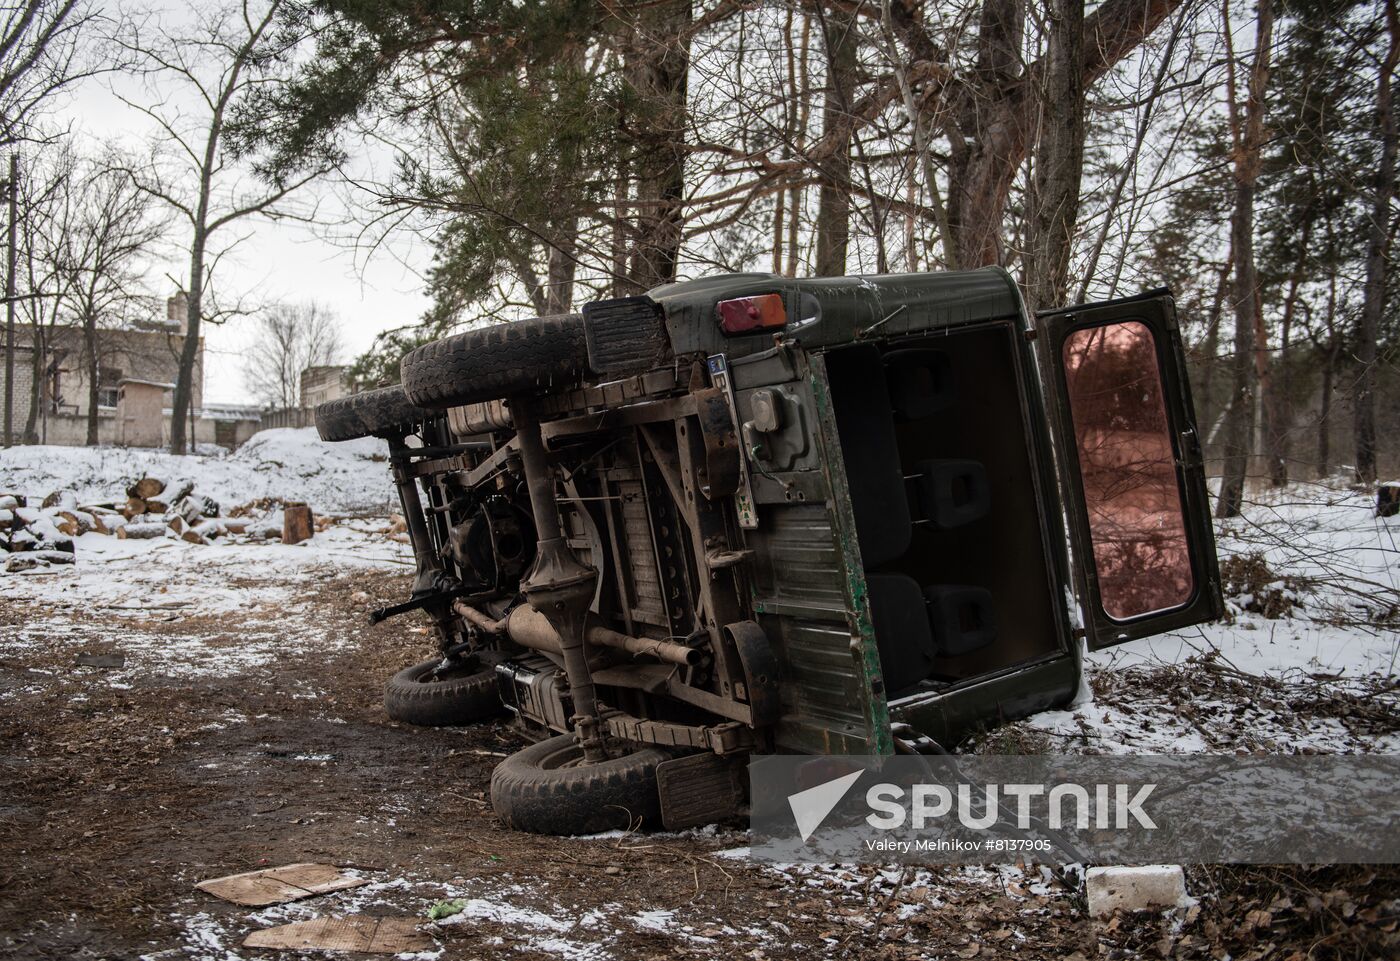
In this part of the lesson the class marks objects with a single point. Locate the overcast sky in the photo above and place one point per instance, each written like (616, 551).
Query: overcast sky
(278, 261)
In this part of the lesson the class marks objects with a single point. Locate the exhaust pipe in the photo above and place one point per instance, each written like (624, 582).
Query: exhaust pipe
(527, 627)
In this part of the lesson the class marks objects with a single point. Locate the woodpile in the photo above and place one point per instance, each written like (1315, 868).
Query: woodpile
(154, 507)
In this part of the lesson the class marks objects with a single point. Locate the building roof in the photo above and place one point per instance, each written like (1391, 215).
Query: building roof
(231, 412)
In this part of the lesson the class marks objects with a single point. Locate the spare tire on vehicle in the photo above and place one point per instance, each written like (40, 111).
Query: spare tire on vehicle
(431, 697)
(496, 362)
(548, 788)
(385, 412)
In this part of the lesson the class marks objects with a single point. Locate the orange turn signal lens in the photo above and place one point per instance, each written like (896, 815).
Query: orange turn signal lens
(747, 314)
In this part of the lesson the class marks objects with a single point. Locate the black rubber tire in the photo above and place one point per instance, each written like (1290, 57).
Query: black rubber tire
(459, 698)
(496, 362)
(385, 412)
(546, 789)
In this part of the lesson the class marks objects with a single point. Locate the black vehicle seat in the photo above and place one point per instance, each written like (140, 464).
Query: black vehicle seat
(915, 626)
(920, 382)
(870, 451)
(961, 617)
(903, 634)
(949, 493)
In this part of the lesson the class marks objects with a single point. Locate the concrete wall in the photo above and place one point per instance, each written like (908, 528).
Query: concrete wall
(139, 414)
(320, 384)
(121, 354)
(71, 431)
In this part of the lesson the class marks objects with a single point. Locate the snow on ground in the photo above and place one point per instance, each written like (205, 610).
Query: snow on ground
(543, 923)
(293, 464)
(1306, 658)
(120, 590)
(1321, 677)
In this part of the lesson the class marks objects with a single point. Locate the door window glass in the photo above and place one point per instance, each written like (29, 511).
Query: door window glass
(1128, 469)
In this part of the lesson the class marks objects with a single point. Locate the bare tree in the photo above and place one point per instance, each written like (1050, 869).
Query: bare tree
(1247, 134)
(47, 206)
(45, 46)
(290, 338)
(100, 258)
(229, 53)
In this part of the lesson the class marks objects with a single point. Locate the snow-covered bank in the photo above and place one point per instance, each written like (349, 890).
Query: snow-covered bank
(293, 464)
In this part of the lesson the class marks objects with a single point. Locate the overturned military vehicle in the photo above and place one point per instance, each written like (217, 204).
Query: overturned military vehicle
(750, 514)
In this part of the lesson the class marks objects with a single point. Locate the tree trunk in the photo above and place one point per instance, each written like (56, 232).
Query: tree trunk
(657, 66)
(834, 200)
(1377, 248)
(189, 348)
(1248, 135)
(37, 380)
(622, 185)
(1210, 352)
(988, 117)
(1059, 159)
(563, 261)
(1324, 413)
(789, 139)
(992, 137)
(94, 369)
(796, 193)
(1278, 394)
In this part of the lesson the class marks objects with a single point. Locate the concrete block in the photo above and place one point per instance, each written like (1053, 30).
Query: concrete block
(1152, 886)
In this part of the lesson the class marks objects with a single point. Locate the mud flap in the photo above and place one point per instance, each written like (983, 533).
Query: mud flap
(700, 789)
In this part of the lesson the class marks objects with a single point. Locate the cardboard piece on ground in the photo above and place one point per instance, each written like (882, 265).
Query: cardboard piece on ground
(291, 882)
(356, 933)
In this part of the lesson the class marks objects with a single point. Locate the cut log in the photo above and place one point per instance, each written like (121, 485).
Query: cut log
(63, 500)
(176, 491)
(144, 487)
(43, 525)
(59, 542)
(141, 531)
(135, 506)
(114, 523)
(193, 536)
(236, 526)
(298, 524)
(176, 523)
(54, 557)
(157, 505)
(73, 522)
(209, 529)
(10, 501)
(22, 540)
(195, 507)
